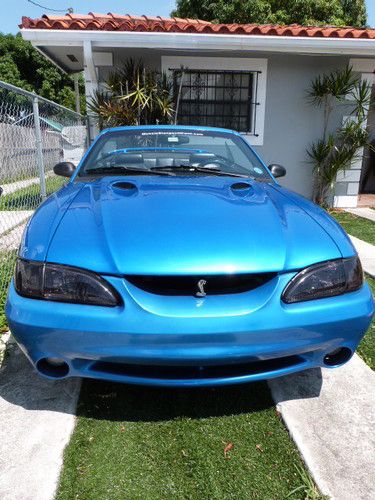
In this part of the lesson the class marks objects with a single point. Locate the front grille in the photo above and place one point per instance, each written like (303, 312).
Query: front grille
(188, 285)
(196, 372)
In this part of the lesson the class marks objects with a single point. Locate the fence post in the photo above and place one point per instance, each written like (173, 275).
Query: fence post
(76, 92)
(88, 129)
(39, 148)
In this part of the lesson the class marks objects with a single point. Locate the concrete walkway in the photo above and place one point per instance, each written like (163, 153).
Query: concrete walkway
(366, 253)
(366, 213)
(37, 419)
(11, 240)
(12, 187)
(12, 218)
(331, 417)
(15, 186)
(365, 250)
(12, 224)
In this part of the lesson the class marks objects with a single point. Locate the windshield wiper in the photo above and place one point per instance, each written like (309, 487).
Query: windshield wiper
(126, 170)
(187, 168)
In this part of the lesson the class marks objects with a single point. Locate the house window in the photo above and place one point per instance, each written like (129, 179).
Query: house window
(217, 98)
(231, 92)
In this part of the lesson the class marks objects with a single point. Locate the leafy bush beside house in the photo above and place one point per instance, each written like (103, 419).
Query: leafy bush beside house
(336, 151)
(134, 95)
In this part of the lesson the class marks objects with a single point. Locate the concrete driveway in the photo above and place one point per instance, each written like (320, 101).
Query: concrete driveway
(37, 419)
(335, 430)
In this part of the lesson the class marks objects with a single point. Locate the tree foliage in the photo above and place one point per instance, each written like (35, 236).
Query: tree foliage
(22, 65)
(306, 12)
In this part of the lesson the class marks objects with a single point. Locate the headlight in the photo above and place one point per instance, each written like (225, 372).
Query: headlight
(326, 279)
(39, 280)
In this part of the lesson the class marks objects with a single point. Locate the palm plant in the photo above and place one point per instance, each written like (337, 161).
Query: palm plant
(134, 95)
(336, 152)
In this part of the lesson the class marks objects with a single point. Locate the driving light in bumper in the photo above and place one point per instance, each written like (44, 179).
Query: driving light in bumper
(326, 279)
(60, 283)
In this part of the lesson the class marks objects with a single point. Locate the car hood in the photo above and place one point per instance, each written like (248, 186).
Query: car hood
(187, 225)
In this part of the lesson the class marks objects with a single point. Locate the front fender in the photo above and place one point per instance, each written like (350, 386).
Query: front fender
(44, 222)
(328, 223)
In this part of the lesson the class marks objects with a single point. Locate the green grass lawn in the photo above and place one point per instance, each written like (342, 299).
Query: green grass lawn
(148, 443)
(359, 227)
(29, 198)
(363, 229)
(7, 262)
(366, 348)
(3, 323)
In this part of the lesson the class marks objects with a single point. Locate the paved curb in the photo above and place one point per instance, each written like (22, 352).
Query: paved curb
(330, 415)
(366, 253)
(365, 213)
(38, 420)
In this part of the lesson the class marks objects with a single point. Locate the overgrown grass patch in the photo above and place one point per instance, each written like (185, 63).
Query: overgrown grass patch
(150, 443)
(7, 262)
(363, 229)
(359, 227)
(366, 348)
(3, 322)
(29, 198)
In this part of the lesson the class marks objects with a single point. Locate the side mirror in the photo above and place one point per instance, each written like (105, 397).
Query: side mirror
(65, 169)
(277, 170)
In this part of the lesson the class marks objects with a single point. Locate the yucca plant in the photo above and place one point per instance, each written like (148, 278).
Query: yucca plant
(134, 95)
(336, 152)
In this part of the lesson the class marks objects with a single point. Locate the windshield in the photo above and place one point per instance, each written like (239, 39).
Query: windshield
(172, 152)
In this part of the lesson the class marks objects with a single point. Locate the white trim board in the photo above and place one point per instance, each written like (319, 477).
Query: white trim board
(199, 41)
(229, 64)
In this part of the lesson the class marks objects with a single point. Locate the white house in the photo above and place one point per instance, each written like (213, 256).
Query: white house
(270, 67)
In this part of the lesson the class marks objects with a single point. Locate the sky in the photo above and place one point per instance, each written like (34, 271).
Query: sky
(13, 10)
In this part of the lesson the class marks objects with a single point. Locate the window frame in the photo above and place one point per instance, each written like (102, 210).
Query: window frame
(259, 65)
(198, 81)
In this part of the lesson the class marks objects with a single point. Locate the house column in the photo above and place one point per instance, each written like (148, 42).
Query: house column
(91, 85)
(76, 93)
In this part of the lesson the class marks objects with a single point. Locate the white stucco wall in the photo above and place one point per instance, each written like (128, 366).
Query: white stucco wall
(291, 122)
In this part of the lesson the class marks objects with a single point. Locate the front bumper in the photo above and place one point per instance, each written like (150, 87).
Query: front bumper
(185, 341)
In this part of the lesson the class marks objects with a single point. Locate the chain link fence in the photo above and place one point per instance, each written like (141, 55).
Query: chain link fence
(35, 134)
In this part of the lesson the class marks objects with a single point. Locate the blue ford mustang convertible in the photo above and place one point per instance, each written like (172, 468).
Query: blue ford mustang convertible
(173, 257)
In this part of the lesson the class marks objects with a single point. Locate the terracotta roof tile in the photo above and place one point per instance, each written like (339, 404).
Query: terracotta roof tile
(127, 22)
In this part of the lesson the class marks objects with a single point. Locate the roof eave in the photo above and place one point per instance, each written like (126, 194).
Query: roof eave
(50, 57)
(201, 42)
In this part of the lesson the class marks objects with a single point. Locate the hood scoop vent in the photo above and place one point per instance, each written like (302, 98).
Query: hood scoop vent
(127, 188)
(242, 188)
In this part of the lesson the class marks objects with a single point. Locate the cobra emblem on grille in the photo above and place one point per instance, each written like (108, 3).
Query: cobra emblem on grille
(200, 285)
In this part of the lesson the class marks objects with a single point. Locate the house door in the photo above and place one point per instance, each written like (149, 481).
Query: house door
(367, 182)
